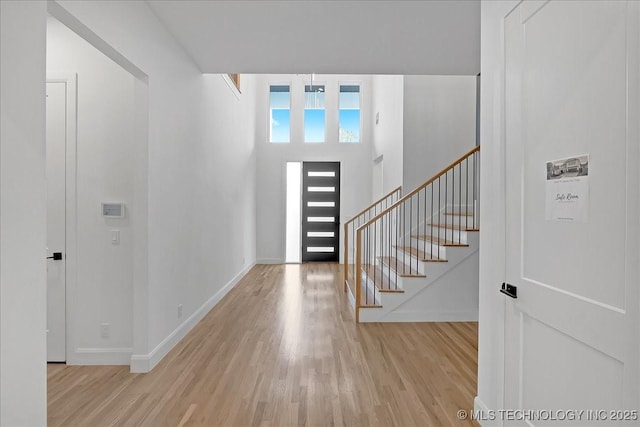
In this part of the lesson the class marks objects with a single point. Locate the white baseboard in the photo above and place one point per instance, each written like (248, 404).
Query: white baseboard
(426, 316)
(142, 363)
(269, 261)
(100, 356)
(482, 413)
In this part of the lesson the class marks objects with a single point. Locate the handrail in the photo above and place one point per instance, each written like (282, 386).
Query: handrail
(380, 200)
(421, 187)
(362, 215)
(411, 232)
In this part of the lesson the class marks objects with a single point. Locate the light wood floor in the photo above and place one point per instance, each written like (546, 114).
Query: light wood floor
(282, 349)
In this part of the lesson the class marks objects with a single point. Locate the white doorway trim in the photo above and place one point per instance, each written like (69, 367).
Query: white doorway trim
(70, 81)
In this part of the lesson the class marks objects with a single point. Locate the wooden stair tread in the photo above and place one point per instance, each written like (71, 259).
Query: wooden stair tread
(453, 226)
(420, 254)
(375, 274)
(403, 270)
(437, 241)
(459, 213)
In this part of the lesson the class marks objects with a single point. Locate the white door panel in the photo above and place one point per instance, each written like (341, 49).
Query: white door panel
(56, 199)
(568, 93)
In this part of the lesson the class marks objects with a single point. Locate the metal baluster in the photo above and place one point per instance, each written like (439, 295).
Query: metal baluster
(404, 217)
(389, 220)
(417, 230)
(360, 222)
(374, 256)
(397, 232)
(388, 237)
(431, 233)
(366, 255)
(475, 170)
(410, 228)
(381, 251)
(354, 248)
(460, 202)
(466, 198)
(479, 195)
(446, 200)
(424, 223)
(439, 197)
(383, 237)
(453, 201)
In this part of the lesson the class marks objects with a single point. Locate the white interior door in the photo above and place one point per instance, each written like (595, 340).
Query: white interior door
(571, 336)
(56, 199)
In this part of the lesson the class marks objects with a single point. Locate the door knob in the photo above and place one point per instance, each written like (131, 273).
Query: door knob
(57, 256)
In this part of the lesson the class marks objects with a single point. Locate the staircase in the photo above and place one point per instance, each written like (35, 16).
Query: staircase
(415, 258)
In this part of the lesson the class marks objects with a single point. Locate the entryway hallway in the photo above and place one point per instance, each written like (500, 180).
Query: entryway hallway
(282, 349)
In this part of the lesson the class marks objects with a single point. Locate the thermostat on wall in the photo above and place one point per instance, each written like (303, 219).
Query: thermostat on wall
(113, 210)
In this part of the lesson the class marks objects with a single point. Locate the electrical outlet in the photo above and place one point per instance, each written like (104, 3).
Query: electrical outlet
(104, 330)
(179, 311)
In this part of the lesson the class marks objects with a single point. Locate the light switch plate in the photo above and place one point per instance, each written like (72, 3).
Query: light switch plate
(115, 237)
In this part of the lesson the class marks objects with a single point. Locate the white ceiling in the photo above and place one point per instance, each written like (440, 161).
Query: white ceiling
(324, 36)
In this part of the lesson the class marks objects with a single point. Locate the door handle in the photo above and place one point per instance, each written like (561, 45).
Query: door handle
(57, 256)
(509, 290)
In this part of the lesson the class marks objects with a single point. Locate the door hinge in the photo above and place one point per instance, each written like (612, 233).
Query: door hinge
(509, 290)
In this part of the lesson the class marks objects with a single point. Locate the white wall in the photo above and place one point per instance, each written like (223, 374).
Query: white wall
(439, 124)
(201, 177)
(387, 136)
(355, 158)
(23, 375)
(103, 288)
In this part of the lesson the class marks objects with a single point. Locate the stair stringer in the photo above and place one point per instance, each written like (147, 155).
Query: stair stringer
(448, 293)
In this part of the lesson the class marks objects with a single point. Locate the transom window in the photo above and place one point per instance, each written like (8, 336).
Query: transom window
(301, 116)
(349, 114)
(280, 113)
(314, 113)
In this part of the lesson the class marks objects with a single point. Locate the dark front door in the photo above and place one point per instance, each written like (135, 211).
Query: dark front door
(320, 211)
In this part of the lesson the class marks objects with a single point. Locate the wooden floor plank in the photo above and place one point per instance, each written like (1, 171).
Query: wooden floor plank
(282, 349)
